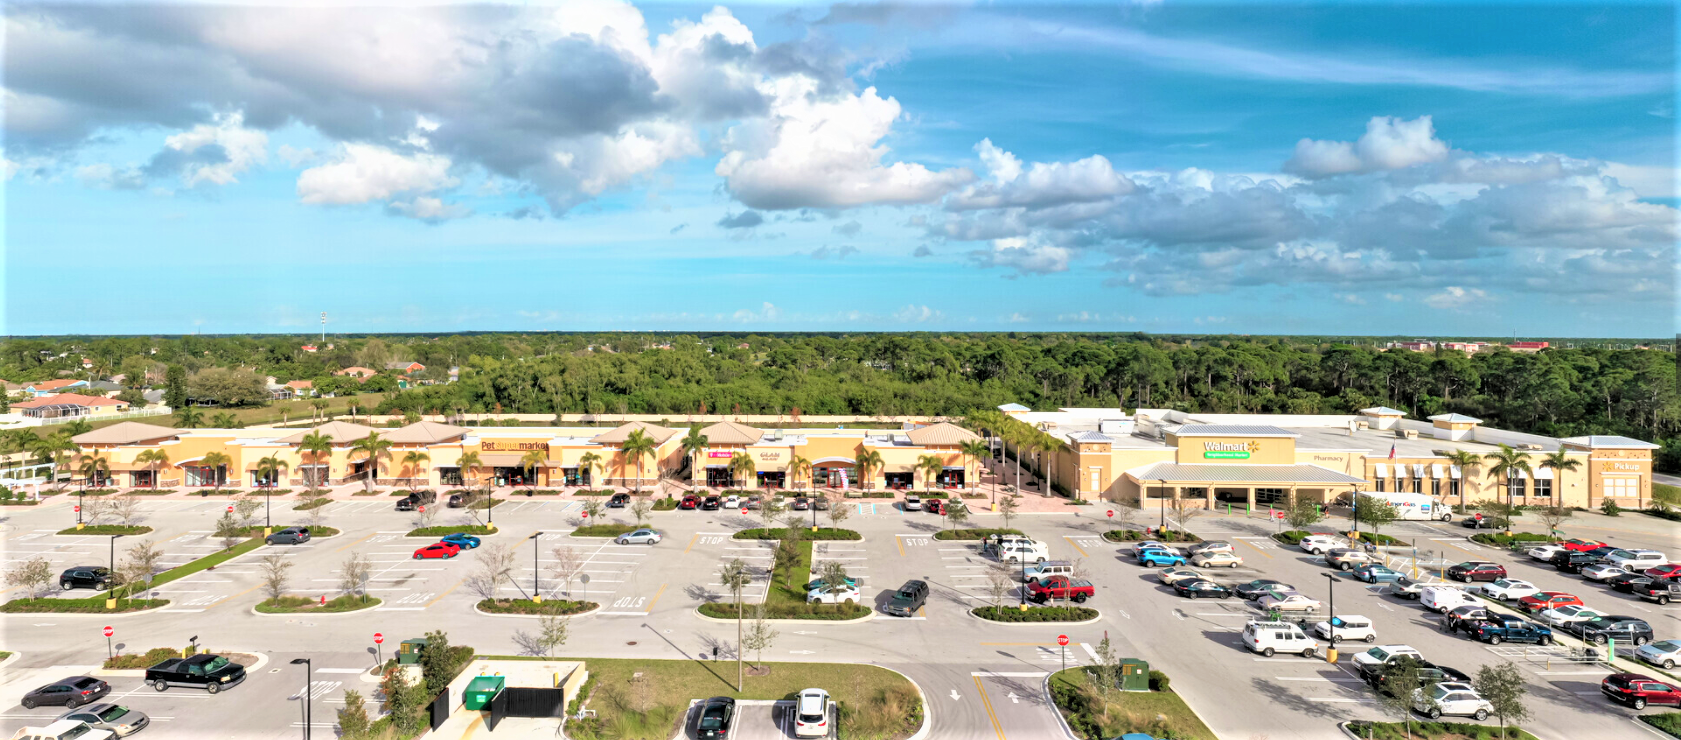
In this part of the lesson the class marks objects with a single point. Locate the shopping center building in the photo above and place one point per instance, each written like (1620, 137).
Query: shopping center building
(1150, 455)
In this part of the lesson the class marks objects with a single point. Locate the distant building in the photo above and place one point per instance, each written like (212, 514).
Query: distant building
(405, 367)
(308, 348)
(1417, 346)
(69, 405)
(1527, 346)
(357, 372)
(50, 387)
(1469, 348)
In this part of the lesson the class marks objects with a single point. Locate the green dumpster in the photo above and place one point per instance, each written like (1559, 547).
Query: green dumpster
(1135, 675)
(410, 650)
(481, 690)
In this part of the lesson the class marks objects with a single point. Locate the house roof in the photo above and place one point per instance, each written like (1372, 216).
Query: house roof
(943, 433)
(731, 433)
(47, 385)
(1382, 411)
(1456, 419)
(1233, 430)
(128, 432)
(1218, 473)
(1609, 441)
(302, 385)
(617, 436)
(401, 365)
(68, 399)
(1013, 407)
(356, 370)
(425, 432)
(338, 431)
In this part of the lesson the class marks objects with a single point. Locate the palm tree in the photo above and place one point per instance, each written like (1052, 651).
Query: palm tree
(974, 450)
(320, 407)
(868, 461)
(692, 445)
(1559, 462)
(55, 448)
(154, 460)
(469, 464)
(1507, 462)
(590, 461)
(271, 467)
(741, 464)
(412, 462)
(92, 467)
(319, 447)
(224, 420)
(930, 467)
(373, 448)
(187, 417)
(637, 446)
(1012, 435)
(531, 461)
(216, 461)
(798, 466)
(1464, 460)
(77, 426)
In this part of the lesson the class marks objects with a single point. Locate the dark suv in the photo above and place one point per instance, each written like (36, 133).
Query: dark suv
(1625, 630)
(1464, 618)
(96, 577)
(1663, 591)
(1573, 562)
(71, 692)
(909, 598)
(1379, 674)
(1477, 571)
(618, 501)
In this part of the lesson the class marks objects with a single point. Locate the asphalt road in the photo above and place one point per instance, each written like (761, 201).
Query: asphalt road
(982, 681)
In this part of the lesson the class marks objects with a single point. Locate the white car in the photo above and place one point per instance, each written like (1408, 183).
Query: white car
(811, 714)
(1289, 602)
(1601, 572)
(848, 595)
(64, 729)
(1452, 698)
(1350, 627)
(642, 536)
(732, 501)
(1636, 561)
(1509, 589)
(1015, 551)
(1443, 599)
(1385, 654)
(1171, 576)
(1663, 654)
(1216, 559)
(913, 502)
(1559, 616)
(1319, 543)
(1546, 552)
(1211, 546)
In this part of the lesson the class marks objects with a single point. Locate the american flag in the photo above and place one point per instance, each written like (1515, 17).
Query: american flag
(1392, 452)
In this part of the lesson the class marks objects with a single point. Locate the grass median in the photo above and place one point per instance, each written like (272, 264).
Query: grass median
(96, 604)
(1422, 730)
(973, 534)
(108, 530)
(777, 533)
(604, 530)
(306, 605)
(1156, 713)
(555, 607)
(474, 529)
(1015, 615)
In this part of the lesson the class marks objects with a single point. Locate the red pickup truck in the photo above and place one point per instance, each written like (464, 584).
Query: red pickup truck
(1060, 587)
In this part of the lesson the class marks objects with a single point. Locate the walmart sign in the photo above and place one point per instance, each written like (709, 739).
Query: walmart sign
(1228, 450)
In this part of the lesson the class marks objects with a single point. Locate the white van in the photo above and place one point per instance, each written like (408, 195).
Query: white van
(1047, 569)
(1443, 599)
(1268, 638)
(1415, 506)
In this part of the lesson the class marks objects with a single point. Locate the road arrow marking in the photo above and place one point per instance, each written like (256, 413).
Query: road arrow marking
(805, 633)
(801, 652)
(1014, 699)
(955, 696)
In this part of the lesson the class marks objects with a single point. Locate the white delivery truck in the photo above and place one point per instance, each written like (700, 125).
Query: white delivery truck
(1414, 506)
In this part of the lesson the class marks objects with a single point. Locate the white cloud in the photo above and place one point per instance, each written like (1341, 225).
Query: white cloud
(1388, 144)
(1018, 318)
(106, 177)
(1024, 255)
(1043, 185)
(1454, 297)
(1351, 298)
(296, 156)
(915, 314)
(825, 153)
(8, 168)
(767, 312)
(242, 148)
(426, 208)
(364, 173)
(1645, 181)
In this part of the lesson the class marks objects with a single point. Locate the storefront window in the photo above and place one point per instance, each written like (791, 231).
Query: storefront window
(899, 481)
(1435, 488)
(1266, 496)
(200, 476)
(951, 478)
(272, 480)
(1377, 486)
(313, 474)
(449, 476)
(719, 477)
(1418, 485)
(772, 479)
(577, 476)
(1543, 488)
(1514, 487)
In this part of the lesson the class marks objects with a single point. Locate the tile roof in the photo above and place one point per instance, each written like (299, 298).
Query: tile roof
(128, 432)
(425, 432)
(47, 385)
(339, 431)
(1233, 430)
(1217, 473)
(1607, 441)
(731, 433)
(68, 399)
(943, 433)
(618, 435)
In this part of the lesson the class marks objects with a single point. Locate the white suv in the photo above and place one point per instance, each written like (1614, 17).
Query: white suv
(1268, 638)
(1014, 551)
(1350, 627)
(1453, 698)
(1318, 543)
(1384, 654)
(811, 714)
(1635, 561)
(1443, 599)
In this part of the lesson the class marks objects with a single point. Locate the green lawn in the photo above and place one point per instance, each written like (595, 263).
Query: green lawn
(1669, 722)
(789, 588)
(108, 530)
(97, 603)
(604, 530)
(306, 605)
(877, 704)
(1437, 731)
(1157, 713)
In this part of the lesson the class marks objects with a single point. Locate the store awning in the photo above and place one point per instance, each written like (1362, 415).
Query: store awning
(1418, 470)
(1524, 474)
(1382, 470)
(1400, 470)
(1544, 474)
(1436, 470)
(188, 462)
(1455, 471)
(1251, 474)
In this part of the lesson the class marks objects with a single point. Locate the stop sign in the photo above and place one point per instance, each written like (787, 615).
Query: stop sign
(1062, 639)
(109, 631)
(423, 508)
(230, 509)
(1111, 513)
(586, 515)
(744, 511)
(379, 638)
(78, 508)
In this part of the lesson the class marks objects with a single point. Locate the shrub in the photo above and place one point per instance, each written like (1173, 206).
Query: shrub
(108, 529)
(1292, 536)
(1504, 540)
(1670, 514)
(1159, 681)
(1378, 539)
(1610, 508)
(314, 503)
(665, 504)
(77, 606)
(147, 659)
(560, 607)
(972, 534)
(297, 604)
(822, 533)
(442, 531)
(1669, 722)
(1014, 614)
(603, 530)
(602, 492)
(789, 611)
(1163, 535)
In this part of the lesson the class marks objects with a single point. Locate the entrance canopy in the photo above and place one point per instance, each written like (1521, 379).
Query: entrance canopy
(1249, 474)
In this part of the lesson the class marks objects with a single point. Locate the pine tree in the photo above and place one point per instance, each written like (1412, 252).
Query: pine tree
(175, 387)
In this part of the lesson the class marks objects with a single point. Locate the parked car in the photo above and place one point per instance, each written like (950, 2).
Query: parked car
(643, 536)
(1346, 627)
(716, 717)
(1451, 698)
(820, 503)
(913, 502)
(711, 503)
(1625, 630)
(1635, 561)
(1059, 588)
(935, 506)
(1383, 654)
(456, 501)
(815, 583)
(437, 550)
(1496, 630)
(1536, 602)
(1020, 549)
(1663, 654)
(1671, 570)
(1381, 676)
(1570, 561)
(1567, 614)
(1545, 553)
(1048, 568)
(1153, 558)
(1578, 545)
(1463, 617)
(618, 500)
(203, 671)
(689, 502)
(1478, 521)
(1509, 589)
(1406, 588)
(119, 720)
(1662, 590)
(1600, 572)
(1344, 558)
(1210, 546)
(96, 577)
(1374, 573)
(1477, 570)
(1442, 599)
(811, 713)
(1270, 638)
(801, 503)
(1216, 559)
(1638, 690)
(461, 539)
(1198, 588)
(1289, 602)
(70, 692)
(63, 730)
(754, 502)
(733, 501)
(418, 498)
(1260, 587)
(1626, 582)
(909, 598)
(405, 504)
(1149, 545)
(1319, 543)
(848, 595)
(1174, 575)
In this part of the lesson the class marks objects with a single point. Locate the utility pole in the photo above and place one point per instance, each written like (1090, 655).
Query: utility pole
(323, 328)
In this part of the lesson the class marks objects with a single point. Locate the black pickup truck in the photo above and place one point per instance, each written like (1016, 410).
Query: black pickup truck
(204, 671)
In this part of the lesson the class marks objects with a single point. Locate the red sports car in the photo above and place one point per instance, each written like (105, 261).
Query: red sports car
(1534, 603)
(1580, 545)
(1673, 570)
(689, 502)
(934, 506)
(437, 550)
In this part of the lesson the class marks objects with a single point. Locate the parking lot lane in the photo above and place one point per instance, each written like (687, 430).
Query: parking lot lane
(1017, 705)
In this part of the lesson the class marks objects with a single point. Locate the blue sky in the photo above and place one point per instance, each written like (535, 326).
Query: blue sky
(1166, 167)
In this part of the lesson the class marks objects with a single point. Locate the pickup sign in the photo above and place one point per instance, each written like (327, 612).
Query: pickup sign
(205, 671)
(1060, 587)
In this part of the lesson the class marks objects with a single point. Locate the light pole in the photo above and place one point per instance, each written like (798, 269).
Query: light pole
(308, 710)
(79, 493)
(536, 590)
(114, 552)
(1331, 621)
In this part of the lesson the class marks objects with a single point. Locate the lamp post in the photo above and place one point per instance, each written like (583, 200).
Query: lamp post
(79, 493)
(308, 710)
(1331, 621)
(114, 552)
(1022, 561)
(268, 520)
(536, 590)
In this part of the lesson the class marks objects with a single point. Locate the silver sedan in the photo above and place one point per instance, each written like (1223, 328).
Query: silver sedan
(642, 536)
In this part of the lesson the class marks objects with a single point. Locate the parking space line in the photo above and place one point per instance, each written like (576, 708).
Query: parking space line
(358, 542)
(231, 598)
(987, 703)
(692, 541)
(446, 592)
(1076, 545)
(901, 545)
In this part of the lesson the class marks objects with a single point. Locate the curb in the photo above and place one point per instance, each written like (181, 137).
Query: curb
(10, 659)
(585, 613)
(149, 530)
(491, 533)
(370, 607)
(102, 615)
(865, 618)
(927, 709)
(1345, 731)
(1062, 721)
(1093, 620)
